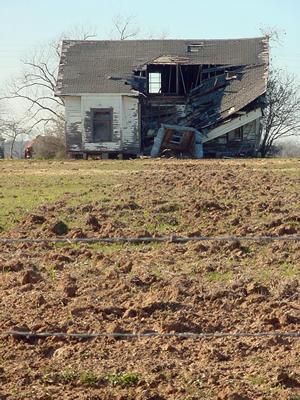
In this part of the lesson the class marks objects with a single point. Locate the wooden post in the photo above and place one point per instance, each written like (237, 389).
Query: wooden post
(182, 78)
(177, 79)
(170, 75)
(198, 75)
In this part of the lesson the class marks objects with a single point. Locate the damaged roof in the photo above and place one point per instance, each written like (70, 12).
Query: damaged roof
(87, 66)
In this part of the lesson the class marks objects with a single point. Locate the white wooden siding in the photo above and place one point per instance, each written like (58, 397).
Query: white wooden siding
(73, 122)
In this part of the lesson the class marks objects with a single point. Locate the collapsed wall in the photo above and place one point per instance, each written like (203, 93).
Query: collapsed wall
(200, 97)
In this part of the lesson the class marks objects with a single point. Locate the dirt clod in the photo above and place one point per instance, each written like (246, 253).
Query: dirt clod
(255, 288)
(13, 265)
(287, 380)
(40, 300)
(69, 286)
(92, 220)
(286, 230)
(290, 319)
(232, 396)
(70, 290)
(60, 228)
(30, 276)
(126, 267)
(36, 219)
(21, 329)
(218, 355)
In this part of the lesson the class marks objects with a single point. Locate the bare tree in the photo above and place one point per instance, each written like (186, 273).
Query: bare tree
(36, 84)
(52, 143)
(282, 109)
(274, 34)
(2, 139)
(124, 27)
(282, 112)
(289, 148)
(10, 130)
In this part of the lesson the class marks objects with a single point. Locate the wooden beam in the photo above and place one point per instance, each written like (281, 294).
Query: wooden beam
(177, 79)
(182, 78)
(198, 75)
(170, 75)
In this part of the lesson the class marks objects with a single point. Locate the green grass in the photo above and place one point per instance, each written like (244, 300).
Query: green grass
(67, 376)
(52, 272)
(25, 185)
(124, 379)
(256, 380)
(88, 378)
(215, 276)
(63, 377)
(289, 270)
(284, 270)
(29, 193)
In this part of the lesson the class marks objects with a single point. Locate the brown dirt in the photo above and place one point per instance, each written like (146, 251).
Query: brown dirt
(194, 287)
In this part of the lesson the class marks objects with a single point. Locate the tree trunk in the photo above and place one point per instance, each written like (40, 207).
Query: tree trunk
(12, 146)
(263, 147)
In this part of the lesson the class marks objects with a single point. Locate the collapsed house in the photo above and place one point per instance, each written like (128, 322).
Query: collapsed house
(185, 97)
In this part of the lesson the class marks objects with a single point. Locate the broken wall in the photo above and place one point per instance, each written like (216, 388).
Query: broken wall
(239, 142)
(209, 96)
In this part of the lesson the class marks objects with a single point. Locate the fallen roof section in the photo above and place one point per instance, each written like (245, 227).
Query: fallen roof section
(232, 124)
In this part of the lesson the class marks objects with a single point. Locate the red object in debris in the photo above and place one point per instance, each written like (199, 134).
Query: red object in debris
(28, 151)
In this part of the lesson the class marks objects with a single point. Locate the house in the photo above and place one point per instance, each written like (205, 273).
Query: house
(122, 96)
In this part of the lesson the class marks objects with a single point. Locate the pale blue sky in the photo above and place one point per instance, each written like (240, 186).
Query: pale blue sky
(27, 23)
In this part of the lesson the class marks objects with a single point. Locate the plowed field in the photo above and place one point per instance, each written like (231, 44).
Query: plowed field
(201, 287)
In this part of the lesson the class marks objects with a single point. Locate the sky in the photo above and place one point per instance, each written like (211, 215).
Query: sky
(26, 24)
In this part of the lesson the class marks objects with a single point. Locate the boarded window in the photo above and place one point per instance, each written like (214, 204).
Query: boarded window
(154, 82)
(102, 125)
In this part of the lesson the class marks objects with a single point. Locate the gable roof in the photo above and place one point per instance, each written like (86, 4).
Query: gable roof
(86, 66)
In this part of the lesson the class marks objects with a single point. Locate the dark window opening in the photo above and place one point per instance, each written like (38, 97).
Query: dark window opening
(171, 79)
(180, 79)
(102, 125)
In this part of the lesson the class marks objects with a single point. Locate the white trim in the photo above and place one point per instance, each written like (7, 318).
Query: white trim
(232, 124)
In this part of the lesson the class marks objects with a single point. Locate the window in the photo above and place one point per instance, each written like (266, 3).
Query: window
(102, 125)
(154, 82)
